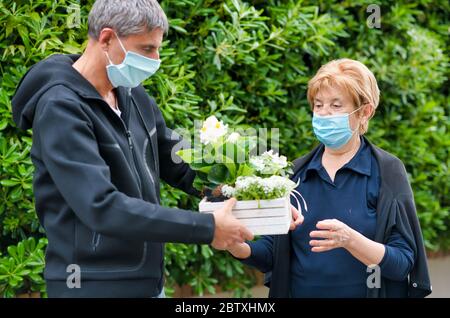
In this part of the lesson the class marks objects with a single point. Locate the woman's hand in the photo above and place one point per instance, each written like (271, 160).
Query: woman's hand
(337, 234)
(240, 250)
(333, 233)
(297, 218)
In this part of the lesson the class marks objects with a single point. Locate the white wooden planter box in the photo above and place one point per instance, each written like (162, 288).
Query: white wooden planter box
(263, 217)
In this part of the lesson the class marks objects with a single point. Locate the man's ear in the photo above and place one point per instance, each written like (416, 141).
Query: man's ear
(105, 37)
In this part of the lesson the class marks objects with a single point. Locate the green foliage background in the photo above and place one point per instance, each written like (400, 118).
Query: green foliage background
(250, 62)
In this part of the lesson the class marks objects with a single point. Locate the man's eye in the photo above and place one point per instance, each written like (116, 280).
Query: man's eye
(317, 105)
(149, 49)
(337, 106)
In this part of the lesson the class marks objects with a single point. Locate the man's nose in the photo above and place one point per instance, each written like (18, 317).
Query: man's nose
(155, 55)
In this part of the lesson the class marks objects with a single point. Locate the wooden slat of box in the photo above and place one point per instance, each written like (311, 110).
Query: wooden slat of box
(245, 205)
(266, 217)
(269, 230)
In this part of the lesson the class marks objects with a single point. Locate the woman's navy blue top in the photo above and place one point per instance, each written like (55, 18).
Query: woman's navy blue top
(352, 199)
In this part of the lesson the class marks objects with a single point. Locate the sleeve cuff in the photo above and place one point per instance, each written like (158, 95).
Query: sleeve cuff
(393, 266)
(204, 226)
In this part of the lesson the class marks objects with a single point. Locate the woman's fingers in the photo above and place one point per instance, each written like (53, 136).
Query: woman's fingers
(292, 226)
(321, 234)
(328, 225)
(333, 233)
(327, 243)
(297, 218)
(322, 245)
(319, 249)
(294, 217)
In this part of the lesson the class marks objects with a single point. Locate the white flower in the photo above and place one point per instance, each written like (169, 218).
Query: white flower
(280, 161)
(233, 137)
(212, 130)
(228, 191)
(269, 163)
(257, 163)
(265, 188)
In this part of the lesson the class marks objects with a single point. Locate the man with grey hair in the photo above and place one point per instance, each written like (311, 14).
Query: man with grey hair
(100, 146)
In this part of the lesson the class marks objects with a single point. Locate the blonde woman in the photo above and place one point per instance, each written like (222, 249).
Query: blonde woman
(361, 209)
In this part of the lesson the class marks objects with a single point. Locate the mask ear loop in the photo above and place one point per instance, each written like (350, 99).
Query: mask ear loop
(364, 104)
(107, 56)
(359, 126)
(120, 42)
(357, 108)
(121, 45)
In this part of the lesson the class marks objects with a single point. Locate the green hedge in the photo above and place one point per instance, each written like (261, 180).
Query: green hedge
(250, 62)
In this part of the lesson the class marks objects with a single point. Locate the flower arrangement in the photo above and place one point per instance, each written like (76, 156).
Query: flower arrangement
(226, 168)
(219, 159)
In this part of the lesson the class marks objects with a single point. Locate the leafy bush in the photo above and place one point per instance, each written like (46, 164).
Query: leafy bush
(249, 61)
(21, 270)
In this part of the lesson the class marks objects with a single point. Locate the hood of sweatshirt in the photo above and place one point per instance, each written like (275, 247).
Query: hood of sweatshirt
(54, 70)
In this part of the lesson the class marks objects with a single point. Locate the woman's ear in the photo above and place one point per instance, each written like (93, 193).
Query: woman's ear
(367, 113)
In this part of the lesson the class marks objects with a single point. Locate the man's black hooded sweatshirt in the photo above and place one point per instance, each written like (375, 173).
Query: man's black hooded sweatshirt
(96, 183)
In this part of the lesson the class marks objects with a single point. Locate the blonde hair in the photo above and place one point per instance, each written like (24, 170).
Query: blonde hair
(352, 76)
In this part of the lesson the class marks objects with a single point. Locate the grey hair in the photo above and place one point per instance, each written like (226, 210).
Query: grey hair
(126, 17)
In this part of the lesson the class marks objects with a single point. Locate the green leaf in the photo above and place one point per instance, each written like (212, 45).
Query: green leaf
(187, 155)
(201, 167)
(9, 183)
(218, 174)
(245, 170)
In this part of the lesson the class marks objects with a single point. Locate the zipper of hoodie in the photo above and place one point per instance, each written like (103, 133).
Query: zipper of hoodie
(95, 241)
(133, 164)
(131, 146)
(149, 137)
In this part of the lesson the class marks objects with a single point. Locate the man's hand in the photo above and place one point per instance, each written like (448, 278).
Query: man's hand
(229, 231)
(297, 218)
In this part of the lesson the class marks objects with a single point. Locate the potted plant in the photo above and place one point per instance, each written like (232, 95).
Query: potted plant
(226, 168)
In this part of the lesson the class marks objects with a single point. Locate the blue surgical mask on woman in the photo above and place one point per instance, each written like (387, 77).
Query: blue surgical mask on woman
(134, 69)
(334, 130)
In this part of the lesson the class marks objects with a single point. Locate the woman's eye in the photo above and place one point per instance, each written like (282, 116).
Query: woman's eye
(337, 106)
(317, 106)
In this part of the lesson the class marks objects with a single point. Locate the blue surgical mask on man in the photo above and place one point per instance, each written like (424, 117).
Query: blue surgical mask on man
(334, 130)
(133, 70)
